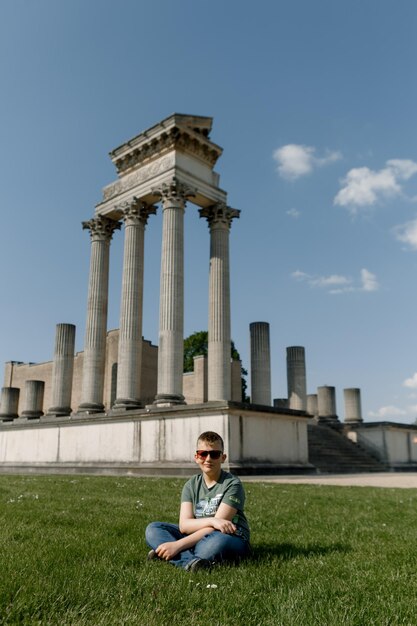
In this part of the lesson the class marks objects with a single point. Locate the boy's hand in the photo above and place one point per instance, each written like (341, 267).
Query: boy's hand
(224, 525)
(167, 550)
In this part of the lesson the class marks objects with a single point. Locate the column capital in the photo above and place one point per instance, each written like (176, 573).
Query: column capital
(174, 191)
(101, 228)
(135, 211)
(219, 215)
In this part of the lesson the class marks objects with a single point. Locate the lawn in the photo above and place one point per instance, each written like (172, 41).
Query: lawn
(72, 553)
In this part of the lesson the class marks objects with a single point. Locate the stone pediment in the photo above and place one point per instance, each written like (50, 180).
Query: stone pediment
(188, 134)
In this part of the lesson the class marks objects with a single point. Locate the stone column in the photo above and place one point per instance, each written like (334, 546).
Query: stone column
(34, 390)
(62, 370)
(353, 410)
(219, 218)
(312, 404)
(135, 216)
(94, 358)
(171, 305)
(326, 400)
(200, 379)
(260, 361)
(9, 403)
(236, 381)
(296, 378)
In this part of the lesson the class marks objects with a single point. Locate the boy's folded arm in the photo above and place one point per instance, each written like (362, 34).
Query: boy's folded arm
(221, 521)
(170, 549)
(188, 523)
(190, 540)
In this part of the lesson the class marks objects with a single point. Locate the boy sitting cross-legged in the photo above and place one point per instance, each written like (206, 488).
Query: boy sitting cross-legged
(212, 525)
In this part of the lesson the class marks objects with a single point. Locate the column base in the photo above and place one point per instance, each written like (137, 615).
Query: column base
(126, 404)
(166, 399)
(90, 407)
(31, 415)
(59, 411)
(8, 418)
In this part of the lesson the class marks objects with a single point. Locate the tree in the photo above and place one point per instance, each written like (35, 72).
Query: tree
(197, 345)
(194, 345)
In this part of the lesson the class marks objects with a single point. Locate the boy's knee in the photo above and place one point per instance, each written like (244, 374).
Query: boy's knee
(151, 528)
(219, 547)
(211, 545)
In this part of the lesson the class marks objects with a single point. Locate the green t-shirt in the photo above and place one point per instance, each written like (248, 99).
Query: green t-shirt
(206, 500)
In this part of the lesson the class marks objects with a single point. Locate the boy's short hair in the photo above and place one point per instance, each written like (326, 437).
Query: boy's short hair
(211, 437)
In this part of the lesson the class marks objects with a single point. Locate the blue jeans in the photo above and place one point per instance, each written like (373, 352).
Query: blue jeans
(215, 547)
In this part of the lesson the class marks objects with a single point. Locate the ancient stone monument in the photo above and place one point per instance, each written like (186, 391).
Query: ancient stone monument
(171, 162)
(123, 400)
(125, 405)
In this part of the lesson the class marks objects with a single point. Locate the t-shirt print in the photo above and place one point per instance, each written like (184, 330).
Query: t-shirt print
(208, 508)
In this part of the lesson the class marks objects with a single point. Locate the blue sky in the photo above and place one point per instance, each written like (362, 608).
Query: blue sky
(314, 104)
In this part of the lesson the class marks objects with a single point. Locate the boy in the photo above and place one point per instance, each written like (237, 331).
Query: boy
(212, 526)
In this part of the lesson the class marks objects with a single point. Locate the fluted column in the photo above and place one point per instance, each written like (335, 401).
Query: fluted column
(219, 218)
(260, 363)
(34, 391)
(62, 370)
(9, 403)
(135, 217)
(353, 409)
(171, 304)
(94, 358)
(296, 378)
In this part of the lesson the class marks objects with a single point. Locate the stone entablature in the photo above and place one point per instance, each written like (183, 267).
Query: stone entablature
(177, 148)
(186, 133)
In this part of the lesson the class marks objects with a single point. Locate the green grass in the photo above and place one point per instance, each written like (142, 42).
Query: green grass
(72, 552)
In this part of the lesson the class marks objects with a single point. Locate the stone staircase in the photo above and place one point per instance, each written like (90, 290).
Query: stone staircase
(331, 452)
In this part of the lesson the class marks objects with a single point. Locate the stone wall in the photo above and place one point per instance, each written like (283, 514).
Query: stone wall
(395, 444)
(157, 441)
(195, 383)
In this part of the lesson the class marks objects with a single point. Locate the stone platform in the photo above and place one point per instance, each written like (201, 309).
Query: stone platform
(149, 441)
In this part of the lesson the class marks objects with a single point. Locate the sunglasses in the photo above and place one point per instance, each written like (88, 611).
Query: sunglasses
(214, 454)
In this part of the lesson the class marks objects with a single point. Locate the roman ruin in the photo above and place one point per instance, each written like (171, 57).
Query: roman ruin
(124, 404)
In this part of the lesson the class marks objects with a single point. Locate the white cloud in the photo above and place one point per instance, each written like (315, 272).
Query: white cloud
(299, 275)
(403, 168)
(387, 412)
(411, 382)
(337, 283)
(362, 187)
(407, 233)
(369, 281)
(293, 213)
(365, 187)
(330, 281)
(330, 157)
(295, 160)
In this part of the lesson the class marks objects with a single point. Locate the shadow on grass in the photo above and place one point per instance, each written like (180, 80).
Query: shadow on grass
(286, 551)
